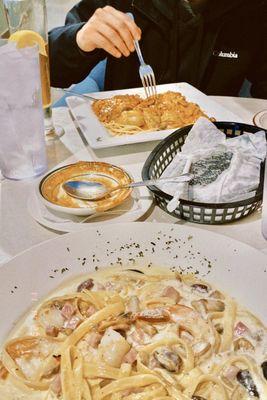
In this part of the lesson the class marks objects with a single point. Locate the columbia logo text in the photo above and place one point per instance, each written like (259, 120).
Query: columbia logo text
(225, 55)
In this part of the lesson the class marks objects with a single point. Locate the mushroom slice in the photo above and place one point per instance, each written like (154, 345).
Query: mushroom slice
(214, 305)
(243, 344)
(264, 369)
(86, 285)
(172, 293)
(200, 287)
(217, 295)
(168, 359)
(153, 315)
(200, 307)
(245, 379)
(219, 328)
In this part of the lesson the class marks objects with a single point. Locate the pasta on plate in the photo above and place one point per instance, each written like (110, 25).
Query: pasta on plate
(136, 335)
(130, 114)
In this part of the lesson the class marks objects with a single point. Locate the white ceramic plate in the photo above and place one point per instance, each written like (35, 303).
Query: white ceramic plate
(234, 267)
(130, 210)
(97, 135)
(260, 119)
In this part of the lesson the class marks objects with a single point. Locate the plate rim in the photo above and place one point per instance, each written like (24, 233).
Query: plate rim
(93, 223)
(121, 224)
(256, 117)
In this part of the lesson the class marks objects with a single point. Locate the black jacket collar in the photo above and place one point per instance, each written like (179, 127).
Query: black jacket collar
(155, 10)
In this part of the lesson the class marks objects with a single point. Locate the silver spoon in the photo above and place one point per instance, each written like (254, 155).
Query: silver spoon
(90, 190)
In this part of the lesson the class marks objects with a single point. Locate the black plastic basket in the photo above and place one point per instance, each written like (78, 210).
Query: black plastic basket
(201, 213)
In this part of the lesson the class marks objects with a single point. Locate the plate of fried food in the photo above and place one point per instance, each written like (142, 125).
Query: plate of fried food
(134, 311)
(125, 116)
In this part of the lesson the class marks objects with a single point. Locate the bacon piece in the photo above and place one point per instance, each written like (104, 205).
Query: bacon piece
(110, 286)
(3, 371)
(231, 372)
(68, 310)
(52, 331)
(56, 385)
(130, 357)
(172, 293)
(90, 311)
(155, 315)
(72, 323)
(94, 339)
(86, 285)
(240, 329)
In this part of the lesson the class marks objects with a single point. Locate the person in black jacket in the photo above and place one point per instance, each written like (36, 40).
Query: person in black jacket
(212, 44)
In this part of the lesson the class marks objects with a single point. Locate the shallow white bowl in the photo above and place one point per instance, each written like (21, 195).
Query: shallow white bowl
(91, 209)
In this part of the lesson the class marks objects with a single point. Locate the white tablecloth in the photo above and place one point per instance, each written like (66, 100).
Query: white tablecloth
(19, 231)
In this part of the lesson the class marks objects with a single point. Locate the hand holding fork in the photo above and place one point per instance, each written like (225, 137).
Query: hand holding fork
(116, 33)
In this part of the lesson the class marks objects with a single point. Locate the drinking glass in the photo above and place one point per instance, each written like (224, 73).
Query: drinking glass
(32, 15)
(22, 142)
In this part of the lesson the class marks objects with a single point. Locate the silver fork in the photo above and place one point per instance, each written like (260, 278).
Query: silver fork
(146, 72)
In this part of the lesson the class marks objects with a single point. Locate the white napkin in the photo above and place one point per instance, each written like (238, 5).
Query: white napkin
(234, 166)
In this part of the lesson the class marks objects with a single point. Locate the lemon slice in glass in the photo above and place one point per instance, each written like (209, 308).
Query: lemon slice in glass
(26, 38)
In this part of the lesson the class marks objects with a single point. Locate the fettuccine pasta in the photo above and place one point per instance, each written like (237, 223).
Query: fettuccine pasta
(136, 335)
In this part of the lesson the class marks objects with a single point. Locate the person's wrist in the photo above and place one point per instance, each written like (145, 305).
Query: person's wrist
(82, 41)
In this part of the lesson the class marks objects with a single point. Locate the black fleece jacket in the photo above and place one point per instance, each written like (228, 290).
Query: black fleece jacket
(214, 50)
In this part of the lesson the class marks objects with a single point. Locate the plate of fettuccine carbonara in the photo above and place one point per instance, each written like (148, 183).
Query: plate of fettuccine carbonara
(155, 322)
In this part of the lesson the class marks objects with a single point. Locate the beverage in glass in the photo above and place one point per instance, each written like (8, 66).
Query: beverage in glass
(22, 143)
(31, 15)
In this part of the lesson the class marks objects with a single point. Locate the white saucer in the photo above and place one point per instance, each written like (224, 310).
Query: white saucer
(260, 119)
(131, 210)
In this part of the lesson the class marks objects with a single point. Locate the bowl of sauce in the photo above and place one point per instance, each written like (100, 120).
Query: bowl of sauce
(52, 194)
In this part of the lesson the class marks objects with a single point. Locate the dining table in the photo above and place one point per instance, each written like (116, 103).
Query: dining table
(19, 231)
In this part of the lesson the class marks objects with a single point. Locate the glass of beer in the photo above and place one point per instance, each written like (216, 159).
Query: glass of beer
(28, 25)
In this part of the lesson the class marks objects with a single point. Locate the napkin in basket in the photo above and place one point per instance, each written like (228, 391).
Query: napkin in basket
(224, 169)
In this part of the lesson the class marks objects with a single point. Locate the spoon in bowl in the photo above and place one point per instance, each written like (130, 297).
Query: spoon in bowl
(91, 190)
